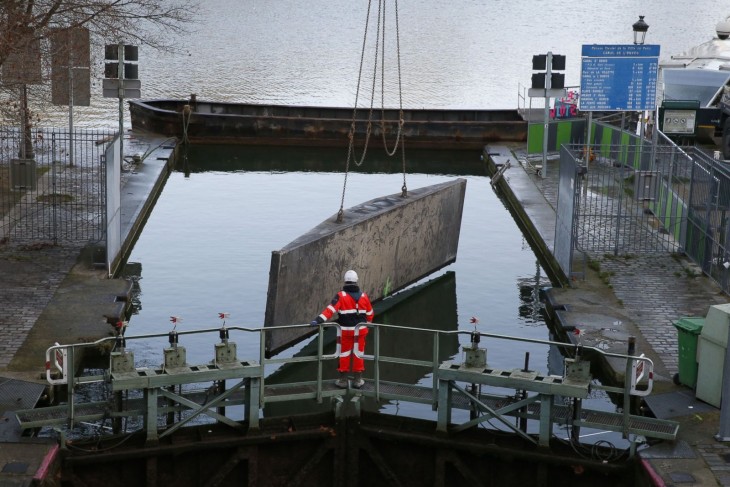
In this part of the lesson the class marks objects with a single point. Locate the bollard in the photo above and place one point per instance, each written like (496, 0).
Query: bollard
(627, 382)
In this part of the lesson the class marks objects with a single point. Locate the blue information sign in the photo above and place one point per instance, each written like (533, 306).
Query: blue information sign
(618, 77)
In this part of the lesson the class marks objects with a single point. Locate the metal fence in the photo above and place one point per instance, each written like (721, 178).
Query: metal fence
(622, 209)
(640, 196)
(53, 189)
(708, 229)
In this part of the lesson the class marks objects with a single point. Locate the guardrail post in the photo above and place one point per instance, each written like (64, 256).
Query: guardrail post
(151, 415)
(444, 405)
(253, 399)
(546, 422)
(627, 385)
(71, 371)
(376, 360)
(435, 386)
(320, 352)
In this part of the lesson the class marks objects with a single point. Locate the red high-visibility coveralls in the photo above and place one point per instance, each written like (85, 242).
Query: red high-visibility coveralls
(353, 308)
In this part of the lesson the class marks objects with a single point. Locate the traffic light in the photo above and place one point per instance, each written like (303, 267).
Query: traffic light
(549, 62)
(121, 79)
(130, 69)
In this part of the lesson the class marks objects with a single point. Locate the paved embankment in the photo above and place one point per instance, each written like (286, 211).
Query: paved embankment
(639, 296)
(60, 293)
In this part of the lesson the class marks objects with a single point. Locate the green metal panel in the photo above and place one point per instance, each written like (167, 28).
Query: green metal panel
(593, 134)
(680, 212)
(565, 131)
(606, 136)
(559, 133)
(623, 158)
(535, 133)
(638, 150)
(699, 247)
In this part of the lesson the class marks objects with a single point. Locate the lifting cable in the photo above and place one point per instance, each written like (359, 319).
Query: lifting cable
(400, 138)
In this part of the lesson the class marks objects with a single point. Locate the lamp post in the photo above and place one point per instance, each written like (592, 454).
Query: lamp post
(640, 27)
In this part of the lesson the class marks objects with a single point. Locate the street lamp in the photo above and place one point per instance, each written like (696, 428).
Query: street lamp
(640, 27)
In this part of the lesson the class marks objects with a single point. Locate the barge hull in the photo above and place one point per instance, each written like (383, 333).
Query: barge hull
(221, 123)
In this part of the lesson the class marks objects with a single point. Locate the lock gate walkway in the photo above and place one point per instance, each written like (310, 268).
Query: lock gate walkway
(155, 404)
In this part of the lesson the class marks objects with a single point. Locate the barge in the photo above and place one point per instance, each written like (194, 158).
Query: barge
(203, 122)
(695, 96)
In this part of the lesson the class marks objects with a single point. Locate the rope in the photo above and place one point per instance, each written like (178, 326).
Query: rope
(187, 110)
(351, 134)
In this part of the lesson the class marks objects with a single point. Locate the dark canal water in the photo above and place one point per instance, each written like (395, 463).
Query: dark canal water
(207, 247)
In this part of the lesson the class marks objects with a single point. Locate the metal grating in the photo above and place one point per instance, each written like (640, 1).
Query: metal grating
(18, 394)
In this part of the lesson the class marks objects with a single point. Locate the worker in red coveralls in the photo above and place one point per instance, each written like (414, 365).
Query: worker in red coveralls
(352, 307)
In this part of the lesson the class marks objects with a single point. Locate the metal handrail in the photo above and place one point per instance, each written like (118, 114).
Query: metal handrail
(51, 351)
(65, 353)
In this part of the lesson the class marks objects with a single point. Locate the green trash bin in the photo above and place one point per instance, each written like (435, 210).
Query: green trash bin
(688, 330)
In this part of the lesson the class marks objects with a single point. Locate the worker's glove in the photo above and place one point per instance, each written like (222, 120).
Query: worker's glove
(314, 323)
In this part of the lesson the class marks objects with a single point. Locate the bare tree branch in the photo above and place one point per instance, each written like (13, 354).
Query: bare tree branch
(150, 22)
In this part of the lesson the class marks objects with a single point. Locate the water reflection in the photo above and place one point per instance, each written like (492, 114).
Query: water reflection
(204, 158)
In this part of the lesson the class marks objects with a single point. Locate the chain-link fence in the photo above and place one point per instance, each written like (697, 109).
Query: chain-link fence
(52, 187)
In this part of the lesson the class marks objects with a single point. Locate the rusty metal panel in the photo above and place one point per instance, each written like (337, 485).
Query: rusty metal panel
(70, 60)
(390, 241)
(23, 65)
(81, 86)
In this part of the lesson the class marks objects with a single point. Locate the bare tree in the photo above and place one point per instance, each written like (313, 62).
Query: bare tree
(143, 22)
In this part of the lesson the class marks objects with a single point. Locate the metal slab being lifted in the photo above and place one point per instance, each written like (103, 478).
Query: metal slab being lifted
(390, 241)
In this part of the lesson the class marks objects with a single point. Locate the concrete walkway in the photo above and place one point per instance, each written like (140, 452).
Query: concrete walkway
(642, 297)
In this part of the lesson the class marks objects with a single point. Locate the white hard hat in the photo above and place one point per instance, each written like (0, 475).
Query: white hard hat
(351, 276)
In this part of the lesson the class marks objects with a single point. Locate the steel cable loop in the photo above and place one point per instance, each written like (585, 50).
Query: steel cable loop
(404, 189)
(359, 162)
(382, 88)
(351, 135)
(382, 91)
(379, 50)
(400, 137)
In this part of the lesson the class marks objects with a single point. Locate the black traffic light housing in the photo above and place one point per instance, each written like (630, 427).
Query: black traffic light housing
(111, 70)
(539, 62)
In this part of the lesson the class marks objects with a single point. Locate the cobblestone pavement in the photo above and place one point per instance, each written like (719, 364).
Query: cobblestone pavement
(29, 276)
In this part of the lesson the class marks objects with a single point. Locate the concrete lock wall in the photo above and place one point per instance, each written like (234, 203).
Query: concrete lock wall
(390, 241)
